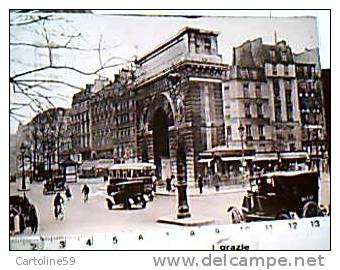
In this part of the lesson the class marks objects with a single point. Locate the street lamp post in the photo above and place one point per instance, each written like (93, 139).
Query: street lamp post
(22, 151)
(183, 207)
(241, 131)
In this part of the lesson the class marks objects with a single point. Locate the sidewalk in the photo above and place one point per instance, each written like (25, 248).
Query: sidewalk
(207, 191)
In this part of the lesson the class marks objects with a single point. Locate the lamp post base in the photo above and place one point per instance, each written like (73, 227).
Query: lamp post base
(183, 207)
(21, 189)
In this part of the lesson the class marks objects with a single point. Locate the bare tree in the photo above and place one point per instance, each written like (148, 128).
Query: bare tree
(51, 38)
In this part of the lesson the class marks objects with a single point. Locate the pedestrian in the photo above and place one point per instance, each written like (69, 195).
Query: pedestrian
(154, 182)
(12, 213)
(216, 181)
(58, 205)
(33, 219)
(85, 191)
(200, 183)
(68, 193)
(17, 223)
(168, 184)
(173, 183)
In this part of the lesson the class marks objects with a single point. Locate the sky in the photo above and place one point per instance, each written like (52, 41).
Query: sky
(127, 36)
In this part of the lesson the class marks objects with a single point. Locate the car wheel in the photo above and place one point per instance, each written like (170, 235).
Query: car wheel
(109, 204)
(143, 202)
(283, 216)
(310, 209)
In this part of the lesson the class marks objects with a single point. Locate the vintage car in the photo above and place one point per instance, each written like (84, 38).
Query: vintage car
(53, 185)
(279, 195)
(28, 214)
(132, 172)
(127, 194)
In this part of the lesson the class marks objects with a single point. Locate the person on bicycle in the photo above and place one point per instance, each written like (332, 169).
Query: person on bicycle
(85, 191)
(58, 204)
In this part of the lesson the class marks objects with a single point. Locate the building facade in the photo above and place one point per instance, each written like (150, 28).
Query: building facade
(180, 101)
(311, 102)
(269, 106)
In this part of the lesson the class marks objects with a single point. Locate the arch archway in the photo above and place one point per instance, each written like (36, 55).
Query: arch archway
(160, 138)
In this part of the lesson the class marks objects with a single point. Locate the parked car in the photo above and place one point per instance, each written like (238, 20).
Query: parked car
(279, 195)
(127, 194)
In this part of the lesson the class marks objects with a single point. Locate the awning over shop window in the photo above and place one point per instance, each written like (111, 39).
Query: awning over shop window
(205, 160)
(237, 158)
(265, 156)
(294, 155)
(88, 165)
(104, 163)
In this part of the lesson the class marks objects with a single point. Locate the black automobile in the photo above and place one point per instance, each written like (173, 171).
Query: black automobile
(127, 194)
(53, 185)
(20, 205)
(279, 195)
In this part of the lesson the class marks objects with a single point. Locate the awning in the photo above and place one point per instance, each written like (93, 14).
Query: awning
(104, 163)
(237, 158)
(88, 165)
(294, 155)
(205, 160)
(133, 166)
(265, 156)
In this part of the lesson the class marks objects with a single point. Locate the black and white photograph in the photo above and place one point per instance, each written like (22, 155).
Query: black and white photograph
(169, 130)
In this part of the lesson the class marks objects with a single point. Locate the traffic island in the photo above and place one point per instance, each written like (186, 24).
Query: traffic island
(190, 221)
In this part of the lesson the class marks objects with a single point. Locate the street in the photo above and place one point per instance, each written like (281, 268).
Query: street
(94, 216)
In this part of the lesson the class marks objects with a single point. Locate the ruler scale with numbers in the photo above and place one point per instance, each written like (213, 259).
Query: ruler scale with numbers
(299, 234)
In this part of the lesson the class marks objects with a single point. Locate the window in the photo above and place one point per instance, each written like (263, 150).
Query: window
(228, 130)
(274, 70)
(290, 113)
(276, 87)
(278, 116)
(284, 56)
(248, 133)
(247, 110)
(288, 96)
(207, 44)
(259, 110)
(261, 134)
(245, 90)
(286, 70)
(258, 90)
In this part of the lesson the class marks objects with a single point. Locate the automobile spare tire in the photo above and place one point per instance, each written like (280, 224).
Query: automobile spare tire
(236, 216)
(310, 209)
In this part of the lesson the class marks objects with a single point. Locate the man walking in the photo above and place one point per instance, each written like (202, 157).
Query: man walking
(200, 183)
(85, 191)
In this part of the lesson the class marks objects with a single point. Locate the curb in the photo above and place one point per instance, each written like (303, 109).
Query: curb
(165, 193)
